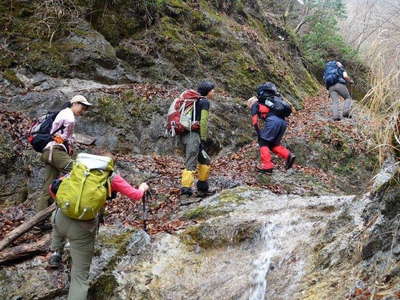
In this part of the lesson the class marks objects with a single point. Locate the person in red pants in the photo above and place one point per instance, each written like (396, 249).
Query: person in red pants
(269, 137)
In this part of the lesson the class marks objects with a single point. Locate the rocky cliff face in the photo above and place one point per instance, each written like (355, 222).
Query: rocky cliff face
(237, 44)
(132, 59)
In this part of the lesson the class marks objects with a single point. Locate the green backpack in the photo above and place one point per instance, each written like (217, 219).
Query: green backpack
(83, 193)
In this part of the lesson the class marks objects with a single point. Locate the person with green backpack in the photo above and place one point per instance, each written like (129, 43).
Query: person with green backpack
(80, 197)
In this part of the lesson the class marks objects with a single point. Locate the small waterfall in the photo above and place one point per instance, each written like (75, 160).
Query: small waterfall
(262, 264)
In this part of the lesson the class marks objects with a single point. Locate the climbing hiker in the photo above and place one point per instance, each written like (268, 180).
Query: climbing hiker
(272, 109)
(80, 197)
(57, 153)
(188, 118)
(336, 78)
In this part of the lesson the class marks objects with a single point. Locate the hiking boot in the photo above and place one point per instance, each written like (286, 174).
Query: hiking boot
(347, 115)
(44, 226)
(186, 199)
(55, 260)
(290, 161)
(186, 191)
(264, 171)
(204, 194)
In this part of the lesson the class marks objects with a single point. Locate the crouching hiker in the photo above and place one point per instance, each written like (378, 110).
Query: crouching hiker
(188, 118)
(272, 109)
(56, 154)
(80, 197)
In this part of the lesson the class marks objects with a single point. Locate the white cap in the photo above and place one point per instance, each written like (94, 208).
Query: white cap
(80, 99)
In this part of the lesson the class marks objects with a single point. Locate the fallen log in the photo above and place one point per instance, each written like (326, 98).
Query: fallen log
(25, 250)
(24, 227)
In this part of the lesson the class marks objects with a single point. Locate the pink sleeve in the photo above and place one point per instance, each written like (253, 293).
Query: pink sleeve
(118, 184)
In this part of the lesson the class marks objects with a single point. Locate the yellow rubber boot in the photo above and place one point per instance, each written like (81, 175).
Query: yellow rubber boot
(187, 178)
(203, 172)
(202, 183)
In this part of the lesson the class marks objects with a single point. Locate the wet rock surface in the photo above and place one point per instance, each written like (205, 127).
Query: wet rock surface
(242, 252)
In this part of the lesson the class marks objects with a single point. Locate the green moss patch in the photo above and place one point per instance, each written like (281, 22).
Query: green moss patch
(125, 110)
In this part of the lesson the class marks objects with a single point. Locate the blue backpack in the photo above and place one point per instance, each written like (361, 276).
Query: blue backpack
(332, 74)
(39, 134)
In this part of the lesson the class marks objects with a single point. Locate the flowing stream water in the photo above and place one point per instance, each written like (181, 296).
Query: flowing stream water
(269, 266)
(262, 264)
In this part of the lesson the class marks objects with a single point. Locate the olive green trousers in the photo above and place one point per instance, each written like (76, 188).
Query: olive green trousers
(60, 162)
(81, 236)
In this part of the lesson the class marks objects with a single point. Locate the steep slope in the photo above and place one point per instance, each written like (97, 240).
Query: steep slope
(237, 44)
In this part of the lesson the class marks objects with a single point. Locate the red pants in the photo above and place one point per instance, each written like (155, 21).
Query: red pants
(265, 155)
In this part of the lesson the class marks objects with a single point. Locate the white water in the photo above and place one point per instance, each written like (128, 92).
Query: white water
(262, 264)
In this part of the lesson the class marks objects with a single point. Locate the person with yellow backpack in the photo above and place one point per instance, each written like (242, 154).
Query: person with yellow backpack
(80, 197)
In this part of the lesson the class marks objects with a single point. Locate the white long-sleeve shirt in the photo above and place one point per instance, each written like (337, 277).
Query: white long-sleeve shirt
(65, 119)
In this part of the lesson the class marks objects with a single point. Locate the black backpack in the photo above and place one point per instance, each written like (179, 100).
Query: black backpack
(39, 134)
(279, 107)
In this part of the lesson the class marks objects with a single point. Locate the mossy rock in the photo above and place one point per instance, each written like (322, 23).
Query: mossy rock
(221, 231)
(7, 153)
(12, 77)
(104, 288)
(124, 111)
(51, 60)
(205, 212)
(135, 57)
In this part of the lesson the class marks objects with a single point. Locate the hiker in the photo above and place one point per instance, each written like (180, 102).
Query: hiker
(336, 78)
(265, 107)
(195, 141)
(76, 226)
(57, 154)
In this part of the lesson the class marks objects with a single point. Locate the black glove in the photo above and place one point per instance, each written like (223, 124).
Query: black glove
(204, 145)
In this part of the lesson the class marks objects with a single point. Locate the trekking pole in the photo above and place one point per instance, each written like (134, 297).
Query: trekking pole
(144, 199)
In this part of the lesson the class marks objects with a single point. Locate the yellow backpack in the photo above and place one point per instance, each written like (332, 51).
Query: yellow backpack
(83, 193)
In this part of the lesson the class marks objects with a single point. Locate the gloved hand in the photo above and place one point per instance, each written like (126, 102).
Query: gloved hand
(144, 187)
(58, 139)
(202, 145)
(205, 144)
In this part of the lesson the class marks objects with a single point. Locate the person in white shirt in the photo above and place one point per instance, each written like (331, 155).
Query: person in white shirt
(57, 153)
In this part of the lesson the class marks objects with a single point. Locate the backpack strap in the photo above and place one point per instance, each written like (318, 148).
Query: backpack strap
(60, 128)
(86, 174)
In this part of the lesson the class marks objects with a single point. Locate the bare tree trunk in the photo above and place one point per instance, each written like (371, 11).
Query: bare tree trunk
(40, 216)
(25, 250)
(288, 10)
(298, 27)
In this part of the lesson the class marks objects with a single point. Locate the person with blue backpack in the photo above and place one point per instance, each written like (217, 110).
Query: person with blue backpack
(269, 107)
(335, 79)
